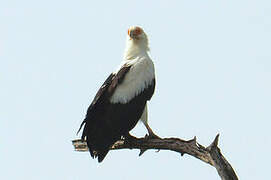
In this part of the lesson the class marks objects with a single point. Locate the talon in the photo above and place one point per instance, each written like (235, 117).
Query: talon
(152, 136)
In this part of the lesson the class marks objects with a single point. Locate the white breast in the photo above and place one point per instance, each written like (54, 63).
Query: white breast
(139, 77)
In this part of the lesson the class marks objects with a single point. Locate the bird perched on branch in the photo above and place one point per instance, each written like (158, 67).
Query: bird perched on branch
(122, 99)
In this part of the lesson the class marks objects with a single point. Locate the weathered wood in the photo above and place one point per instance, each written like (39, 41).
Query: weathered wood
(211, 155)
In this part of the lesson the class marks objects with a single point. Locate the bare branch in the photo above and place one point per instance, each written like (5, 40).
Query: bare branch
(210, 155)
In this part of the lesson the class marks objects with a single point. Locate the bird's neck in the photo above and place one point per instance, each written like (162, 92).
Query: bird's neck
(135, 48)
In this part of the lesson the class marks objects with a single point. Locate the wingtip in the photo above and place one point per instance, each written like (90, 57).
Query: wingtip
(81, 127)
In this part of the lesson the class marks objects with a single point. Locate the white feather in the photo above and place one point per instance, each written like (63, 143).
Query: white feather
(144, 116)
(141, 73)
(139, 77)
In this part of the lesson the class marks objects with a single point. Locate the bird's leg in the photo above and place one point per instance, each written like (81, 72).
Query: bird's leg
(144, 119)
(151, 133)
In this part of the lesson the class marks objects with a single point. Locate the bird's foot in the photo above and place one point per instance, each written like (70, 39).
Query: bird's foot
(130, 138)
(151, 136)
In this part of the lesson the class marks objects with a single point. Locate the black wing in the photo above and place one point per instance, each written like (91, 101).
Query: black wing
(104, 94)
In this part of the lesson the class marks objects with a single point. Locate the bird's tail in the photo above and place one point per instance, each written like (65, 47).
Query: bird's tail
(99, 140)
(99, 149)
(101, 155)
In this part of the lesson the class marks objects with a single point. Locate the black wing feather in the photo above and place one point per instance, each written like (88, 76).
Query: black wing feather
(98, 96)
(104, 93)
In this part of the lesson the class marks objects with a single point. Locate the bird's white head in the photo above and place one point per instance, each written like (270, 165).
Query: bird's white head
(136, 33)
(136, 43)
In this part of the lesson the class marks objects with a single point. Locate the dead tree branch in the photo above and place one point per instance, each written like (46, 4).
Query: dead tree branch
(210, 154)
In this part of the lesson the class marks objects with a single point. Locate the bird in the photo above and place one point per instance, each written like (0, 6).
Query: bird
(122, 99)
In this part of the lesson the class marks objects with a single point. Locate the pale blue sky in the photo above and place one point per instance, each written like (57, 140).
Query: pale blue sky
(213, 68)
